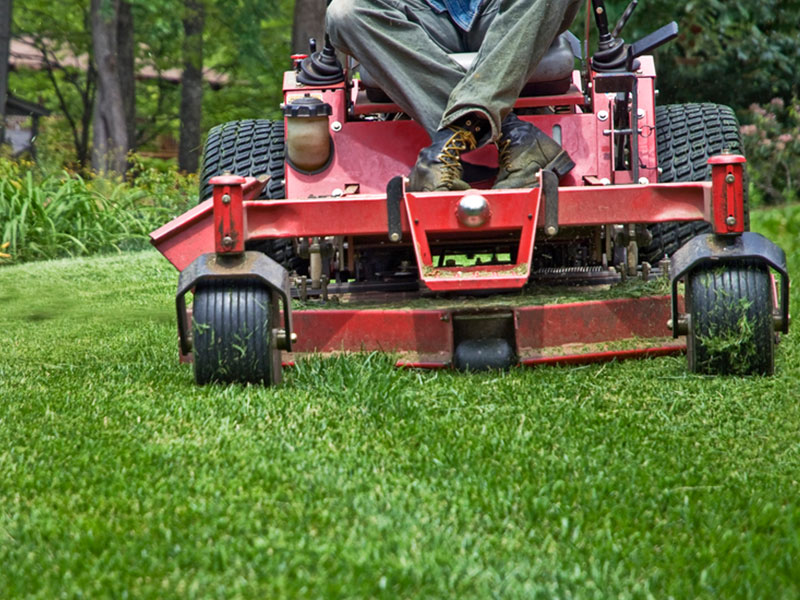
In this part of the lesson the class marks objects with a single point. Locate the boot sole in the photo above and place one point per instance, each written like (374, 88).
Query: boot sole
(561, 164)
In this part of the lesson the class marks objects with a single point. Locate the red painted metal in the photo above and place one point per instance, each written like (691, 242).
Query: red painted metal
(191, 234)
(575, 332)
(600, 142)
(727, 199)
(605, 356)
(435, 212)
(297, 59)
(230, 229)
(594, 322)
(427, 334)
(370, 153)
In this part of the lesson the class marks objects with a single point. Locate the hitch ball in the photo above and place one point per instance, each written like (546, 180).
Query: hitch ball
(473, 210)
(308, 140)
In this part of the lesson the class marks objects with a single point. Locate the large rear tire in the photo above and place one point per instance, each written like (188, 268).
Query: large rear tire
(687, 135)
(252, 147)
(232, 322)
(730, 321)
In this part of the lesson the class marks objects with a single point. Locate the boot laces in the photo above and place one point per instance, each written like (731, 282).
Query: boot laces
(504, 151)
(462, 140)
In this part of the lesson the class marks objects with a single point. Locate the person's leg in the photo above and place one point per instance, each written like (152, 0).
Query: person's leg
(404, 46)
(491, 90)
(511, 36)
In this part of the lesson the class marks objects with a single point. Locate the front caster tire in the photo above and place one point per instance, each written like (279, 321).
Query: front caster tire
(232, 333)
(730, 321)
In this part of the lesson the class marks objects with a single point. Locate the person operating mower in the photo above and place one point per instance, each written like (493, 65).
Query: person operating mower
(405, 46)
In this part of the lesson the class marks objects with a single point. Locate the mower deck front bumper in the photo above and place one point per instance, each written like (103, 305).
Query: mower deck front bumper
(577, 332)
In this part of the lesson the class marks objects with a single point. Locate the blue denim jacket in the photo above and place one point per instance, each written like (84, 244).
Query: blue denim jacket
(463, 12)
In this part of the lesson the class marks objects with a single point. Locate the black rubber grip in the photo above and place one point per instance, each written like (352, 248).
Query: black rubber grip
(394, 200)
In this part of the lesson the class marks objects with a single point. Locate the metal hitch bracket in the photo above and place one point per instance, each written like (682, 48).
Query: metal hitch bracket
(479, 211)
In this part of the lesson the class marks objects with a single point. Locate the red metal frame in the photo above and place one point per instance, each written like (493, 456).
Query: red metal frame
(369, 153)
(186, 237)
(727, 203)
(347, 198)
(425, 337)
(431, 213)
(230, 229)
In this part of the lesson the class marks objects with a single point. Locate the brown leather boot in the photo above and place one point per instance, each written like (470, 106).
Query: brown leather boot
(524, 149)
(439, 165)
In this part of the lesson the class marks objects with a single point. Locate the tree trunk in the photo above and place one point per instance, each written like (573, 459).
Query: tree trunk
(309, 22)
(127, 69)
(110, 129)
(191, 111)
(5, 41)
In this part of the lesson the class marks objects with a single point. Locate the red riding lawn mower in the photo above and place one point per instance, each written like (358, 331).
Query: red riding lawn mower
(306, 240)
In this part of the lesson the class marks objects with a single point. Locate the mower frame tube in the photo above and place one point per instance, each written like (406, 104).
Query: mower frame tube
(727, 193)
(191, 234)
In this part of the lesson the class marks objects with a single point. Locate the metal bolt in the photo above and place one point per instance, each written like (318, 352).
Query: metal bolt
(730, 178)
(643, 181)
(730, 221)
(281, 338)
(394, 237)
(337, 193)
(551, 230)
(682, 325)
(603, 115)
(336, 126)
(227, 241)
(226, 198)
(641, 113)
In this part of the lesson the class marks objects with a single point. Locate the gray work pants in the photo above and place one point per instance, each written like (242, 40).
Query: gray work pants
(404, 45)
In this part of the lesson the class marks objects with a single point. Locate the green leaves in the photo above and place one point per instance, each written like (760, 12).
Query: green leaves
(63, 214)
(733, 53)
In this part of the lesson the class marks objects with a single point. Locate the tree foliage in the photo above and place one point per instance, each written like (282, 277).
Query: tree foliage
(246, 40)
(733, 53)
(63, 88)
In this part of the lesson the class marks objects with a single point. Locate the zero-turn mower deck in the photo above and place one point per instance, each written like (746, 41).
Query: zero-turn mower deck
(306, 240)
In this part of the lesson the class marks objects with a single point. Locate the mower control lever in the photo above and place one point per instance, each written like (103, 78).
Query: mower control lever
(613, 54)
(623, 20)
(652, 41)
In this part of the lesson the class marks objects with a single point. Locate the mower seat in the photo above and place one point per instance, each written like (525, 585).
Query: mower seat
(552, 76)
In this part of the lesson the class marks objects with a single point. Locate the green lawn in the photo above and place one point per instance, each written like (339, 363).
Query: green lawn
(119, 478)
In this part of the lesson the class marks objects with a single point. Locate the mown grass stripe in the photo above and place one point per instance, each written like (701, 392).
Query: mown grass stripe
(119, 477)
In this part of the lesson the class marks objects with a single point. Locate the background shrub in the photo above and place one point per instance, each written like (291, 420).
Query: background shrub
(53, 214)
(772, 145)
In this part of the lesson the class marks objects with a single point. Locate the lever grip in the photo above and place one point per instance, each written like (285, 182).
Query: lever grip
(654, 40)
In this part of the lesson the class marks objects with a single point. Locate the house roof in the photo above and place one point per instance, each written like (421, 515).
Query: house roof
(18, 106)
(24, 53)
